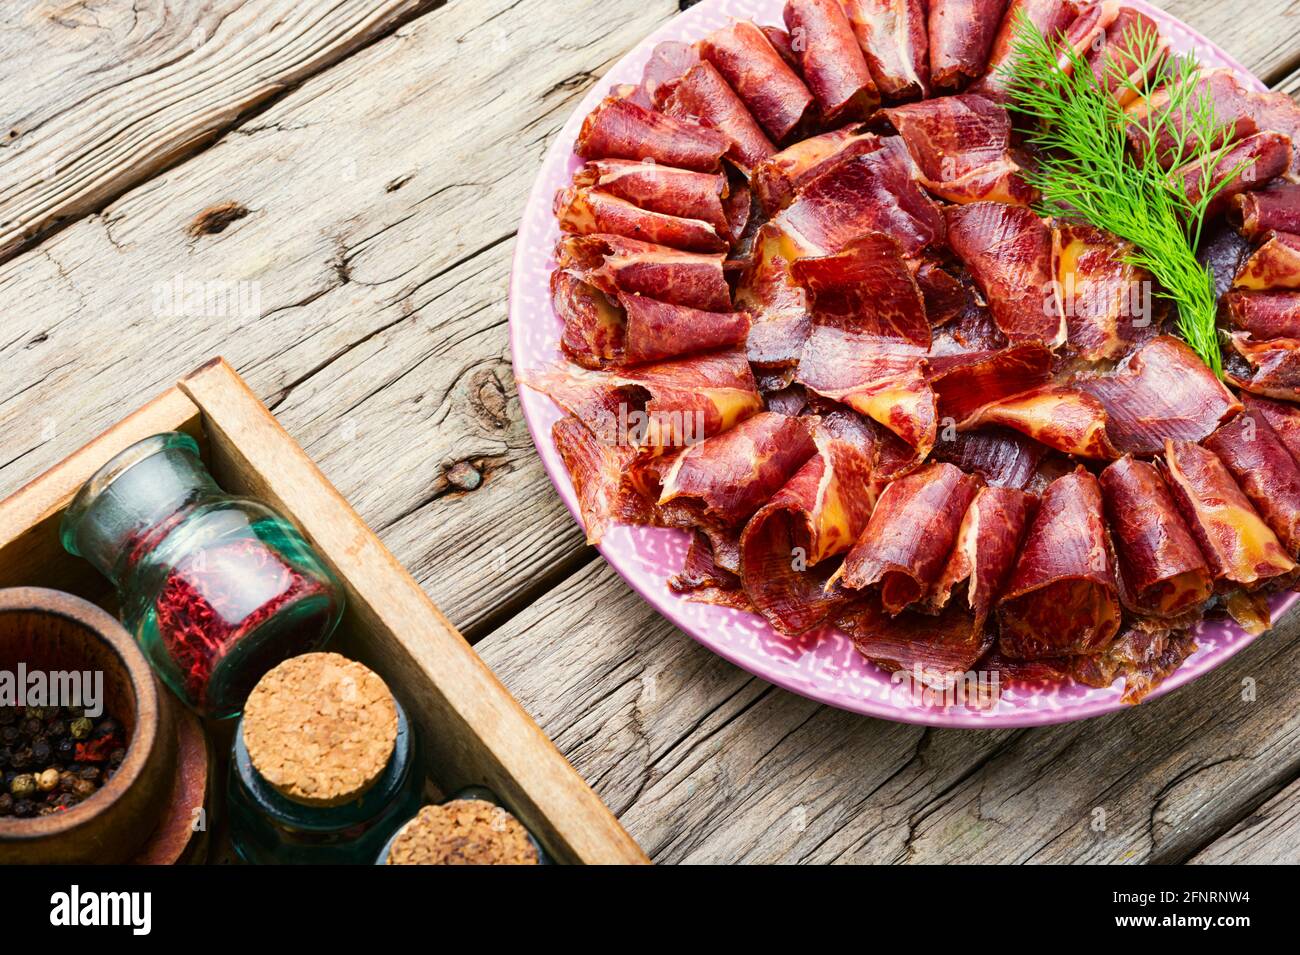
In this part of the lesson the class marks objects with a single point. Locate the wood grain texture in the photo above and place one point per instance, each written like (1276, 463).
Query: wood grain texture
(97, 98)
(1268, 836)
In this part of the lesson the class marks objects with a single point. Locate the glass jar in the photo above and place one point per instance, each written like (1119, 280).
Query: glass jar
(471, 793)
(216, 588)
(268, 828)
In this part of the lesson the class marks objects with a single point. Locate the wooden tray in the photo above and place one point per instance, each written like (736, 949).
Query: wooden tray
(472, 730)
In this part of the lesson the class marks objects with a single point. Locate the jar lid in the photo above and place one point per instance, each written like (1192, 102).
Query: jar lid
(463, 832)
(320, 729)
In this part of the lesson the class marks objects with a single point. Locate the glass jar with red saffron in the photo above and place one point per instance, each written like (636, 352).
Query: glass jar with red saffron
(217, 588)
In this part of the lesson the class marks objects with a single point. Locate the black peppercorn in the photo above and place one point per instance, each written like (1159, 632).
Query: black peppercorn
(10, 734)
(35, 712)
(24, 808)
(31, 727)
(21, 758)
(67, 781)
(8, 715)
(56, 728)
(65, 749)
(83, 788)
(107, 727)
(42, 753)
(115, 758)
(88, 772)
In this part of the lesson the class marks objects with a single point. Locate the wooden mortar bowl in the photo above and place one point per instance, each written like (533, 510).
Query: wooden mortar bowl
(50, 630)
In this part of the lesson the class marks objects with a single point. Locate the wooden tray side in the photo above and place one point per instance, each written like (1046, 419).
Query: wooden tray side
(30, 551)
(473, 728)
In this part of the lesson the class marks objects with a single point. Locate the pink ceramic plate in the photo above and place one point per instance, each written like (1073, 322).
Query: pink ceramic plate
(822, 664)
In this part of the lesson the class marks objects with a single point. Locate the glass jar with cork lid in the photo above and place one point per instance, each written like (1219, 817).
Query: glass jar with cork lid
(324, 765)
(471, 828)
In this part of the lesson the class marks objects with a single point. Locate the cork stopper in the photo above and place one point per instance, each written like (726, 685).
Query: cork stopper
(320, 729)
(463, 832)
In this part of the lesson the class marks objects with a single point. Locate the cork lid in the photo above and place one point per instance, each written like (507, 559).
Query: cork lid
(463, 832)
(320, 728)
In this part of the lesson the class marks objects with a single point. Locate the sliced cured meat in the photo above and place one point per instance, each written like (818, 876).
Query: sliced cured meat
(1270, 368)
(1055, 415)
(779, 178)
(702, 94)
(621, 129)
(961, 38)
(1247, 166)
(724, 479)
(1274, 265)
(830, 60)
(1162, 391)
(938, 651)
(595, 328)
(962, 146)
(783, 44)
(1004, 458)
(872, 192)
(655, 408)
(769, 292)
(703, 580)
(1264, 315)
(1171, 143)
(1107, 301)
(1008, 250)
(786, 547)
(669, 61)
(1265, 471)
(946, 296)
(683, 193)
(965, 384)
(866, 289)
(1222, 251)
(1124, 63)
(910, 535)
(584, 211)
(753, 68)
(985, 552)
(1238, 546)
(1051, 17)
(600, 475)
(620, 266)
(1062, 597)
(1282, 416)
(1088, 31)
(1161, 567)
(895, 40)
(1273, 209)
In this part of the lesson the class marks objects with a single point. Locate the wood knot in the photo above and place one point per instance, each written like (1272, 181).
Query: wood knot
(216, 218)
(463, 476)
(488, 399)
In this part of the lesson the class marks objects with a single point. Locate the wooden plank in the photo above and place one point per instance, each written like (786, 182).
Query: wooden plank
(1268, 836)
(474, 731)
(380, 336)
(704, 763)
(97, 101)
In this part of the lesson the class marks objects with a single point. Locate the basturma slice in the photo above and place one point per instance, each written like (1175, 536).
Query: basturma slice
(1250, 163)
(987, 544)
(1062, 597)
(938, 650)
(1239, 547)
(1272, 209)
(621, 129)
(779, 178)
(831, 61)
(786, 546)
(1265, 471)
(1264, 315)
(1274, 265)
(1282, 416)
(602, 479)
(1161, 568)
(1051, 17)
(967, 382)
(753, 68)
(1107, 310)
(962, 146)
(961, 38)
(723, 480)
(1004, 458)
(673, 192)
(586, 211)
(895, 40)
(1270, 368)
(1055, 415)
(702, 94)
(910, 535)
(1162, 391)
(617, 265)
(1008, 250)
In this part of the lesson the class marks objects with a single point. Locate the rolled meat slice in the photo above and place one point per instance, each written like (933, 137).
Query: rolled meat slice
(620, 266)
(1275, 265)
(584, 211)
(910, 535)
(768, 291)
(1004, 458)
(683, 193)
(1161, 567)
(938, 652)
(962, 146)
(1282, 416)
(961, 39)
(701, 94)
(1009, 252)
(1273, 209)
(988, 543)
(602, 476)
(1270, 368)
(1108, 303)
(1221, 252)
(1062, 598)
(895, 40)
(967, 383)
(1173, 146)
(831, 61)
(1265, 471)
(1162, 391)
(1247, 166)
(1131, 50)
(779, 178)
(786, 547)
(724, 479)
(1051, 17)
(1238, 546)
(1264, 315)
(1058, 416)
(621, 129)
(703, 580)
(753, 68)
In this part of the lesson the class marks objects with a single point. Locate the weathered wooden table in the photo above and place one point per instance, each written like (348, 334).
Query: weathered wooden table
(326, 193)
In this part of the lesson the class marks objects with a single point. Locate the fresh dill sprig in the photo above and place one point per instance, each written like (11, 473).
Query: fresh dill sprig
(1087, 171)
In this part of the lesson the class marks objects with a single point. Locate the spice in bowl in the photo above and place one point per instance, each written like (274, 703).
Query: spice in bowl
(324, 764)
(53, 758)
(463, 831)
